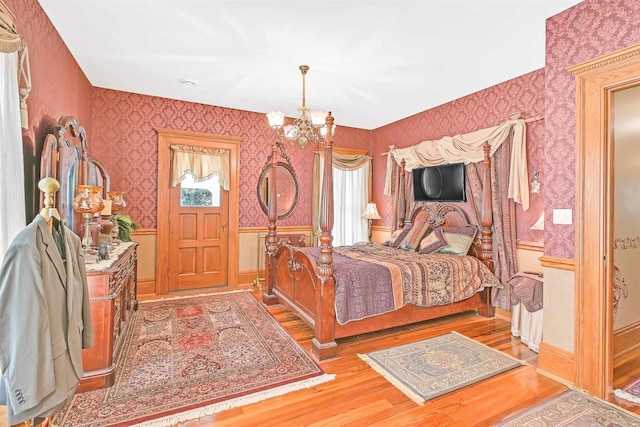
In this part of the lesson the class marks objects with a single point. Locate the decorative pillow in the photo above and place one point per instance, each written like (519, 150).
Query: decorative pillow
(401, 233)
(459, 239)
(432, 241)
(394, 236)
(420, 227)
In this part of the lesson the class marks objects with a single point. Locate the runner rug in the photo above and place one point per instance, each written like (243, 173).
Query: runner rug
(574, 409)
(630, 392)
(190, 357)
(435, 366)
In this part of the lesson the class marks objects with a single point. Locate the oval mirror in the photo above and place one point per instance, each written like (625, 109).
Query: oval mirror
(286, 189)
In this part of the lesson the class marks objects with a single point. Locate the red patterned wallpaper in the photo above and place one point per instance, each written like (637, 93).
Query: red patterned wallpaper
(586, 31)
(59, 87)
(121, 126)
(124, 138)
(479, 110)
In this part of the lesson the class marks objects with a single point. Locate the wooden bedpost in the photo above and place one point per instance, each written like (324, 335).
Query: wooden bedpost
(402, 202)
(323, 345)
(268, 297)
(486, 221)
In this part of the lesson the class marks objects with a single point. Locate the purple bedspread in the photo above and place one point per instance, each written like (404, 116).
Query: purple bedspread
(364, 289)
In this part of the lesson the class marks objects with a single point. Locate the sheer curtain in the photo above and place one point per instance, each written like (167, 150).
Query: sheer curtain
(350, 199)
(12, 209)
(14, 65)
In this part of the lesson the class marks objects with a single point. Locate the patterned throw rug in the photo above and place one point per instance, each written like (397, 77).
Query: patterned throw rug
(435, 366)
(190, 357)
(573, 409)
(631, 392)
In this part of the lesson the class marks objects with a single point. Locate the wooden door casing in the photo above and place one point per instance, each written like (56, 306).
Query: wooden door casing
(596, 81)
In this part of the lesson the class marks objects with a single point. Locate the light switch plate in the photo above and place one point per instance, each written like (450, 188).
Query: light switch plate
(562, 216)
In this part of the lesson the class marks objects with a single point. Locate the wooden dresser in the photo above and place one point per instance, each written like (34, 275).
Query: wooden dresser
(112, 292)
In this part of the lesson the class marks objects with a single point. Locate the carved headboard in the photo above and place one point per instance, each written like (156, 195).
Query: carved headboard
(449, 215)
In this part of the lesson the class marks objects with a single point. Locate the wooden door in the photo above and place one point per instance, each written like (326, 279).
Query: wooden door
(198, 236)
(197, 246)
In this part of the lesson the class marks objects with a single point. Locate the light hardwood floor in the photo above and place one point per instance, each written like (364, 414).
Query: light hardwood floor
(361, 397)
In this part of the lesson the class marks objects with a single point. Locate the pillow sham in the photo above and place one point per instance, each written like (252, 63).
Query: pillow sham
(420, 227)
(459, 239)
(400, 233)
(432, 241)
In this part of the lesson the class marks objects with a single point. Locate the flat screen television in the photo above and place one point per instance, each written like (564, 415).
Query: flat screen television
(444, 183)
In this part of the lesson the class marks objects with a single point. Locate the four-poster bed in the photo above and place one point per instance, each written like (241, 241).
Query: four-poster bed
(305, 281)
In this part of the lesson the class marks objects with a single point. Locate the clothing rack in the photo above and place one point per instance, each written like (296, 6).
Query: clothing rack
(49, 186)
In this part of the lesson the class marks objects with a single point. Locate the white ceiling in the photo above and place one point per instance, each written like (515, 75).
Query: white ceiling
(372, 62)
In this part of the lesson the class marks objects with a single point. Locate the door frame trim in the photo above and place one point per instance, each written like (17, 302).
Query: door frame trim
(596, 80)
(166, 137)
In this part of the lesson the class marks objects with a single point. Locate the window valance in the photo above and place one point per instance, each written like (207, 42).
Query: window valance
(10, 41)
(468, 148)
(201, 162)
(349, 161)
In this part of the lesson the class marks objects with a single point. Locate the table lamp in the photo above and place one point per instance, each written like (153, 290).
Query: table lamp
(370, 213)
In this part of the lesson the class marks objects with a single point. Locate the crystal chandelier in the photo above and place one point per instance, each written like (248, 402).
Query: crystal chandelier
(310, 126)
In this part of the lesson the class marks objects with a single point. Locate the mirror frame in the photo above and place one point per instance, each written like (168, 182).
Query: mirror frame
(78, 168)
(264, 201)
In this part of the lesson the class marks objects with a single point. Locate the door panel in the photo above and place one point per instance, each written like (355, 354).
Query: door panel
(198, 243)
(212, 227)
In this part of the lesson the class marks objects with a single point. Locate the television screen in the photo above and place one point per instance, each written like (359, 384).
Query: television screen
(445, 183)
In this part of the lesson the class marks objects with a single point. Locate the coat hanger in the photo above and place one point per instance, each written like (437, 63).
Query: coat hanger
(49, 186)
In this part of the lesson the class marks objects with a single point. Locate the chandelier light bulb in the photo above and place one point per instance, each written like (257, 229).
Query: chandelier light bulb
(276, 119)
(318, 117)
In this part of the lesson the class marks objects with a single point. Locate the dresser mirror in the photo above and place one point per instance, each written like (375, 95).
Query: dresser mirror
(64, 157)
(286, 186)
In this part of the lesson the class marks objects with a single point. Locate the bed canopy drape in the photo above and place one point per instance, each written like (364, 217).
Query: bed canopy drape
(509, 184)
(468, 148)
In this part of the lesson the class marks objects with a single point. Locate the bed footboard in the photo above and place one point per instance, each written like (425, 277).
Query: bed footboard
(298, 285)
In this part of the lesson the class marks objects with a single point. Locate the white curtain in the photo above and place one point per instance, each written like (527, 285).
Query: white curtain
(350, 198)
(12, 210)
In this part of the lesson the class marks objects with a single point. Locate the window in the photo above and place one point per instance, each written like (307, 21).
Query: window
(351, 191)
(200, 194)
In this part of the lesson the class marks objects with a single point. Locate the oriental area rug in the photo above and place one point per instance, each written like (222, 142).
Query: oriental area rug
(630, 392)
(573, 409)
(435, 366)
(187, 358)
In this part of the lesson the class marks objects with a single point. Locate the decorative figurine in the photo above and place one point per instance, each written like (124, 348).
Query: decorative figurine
(103, 252)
